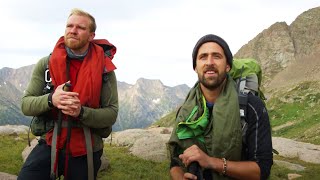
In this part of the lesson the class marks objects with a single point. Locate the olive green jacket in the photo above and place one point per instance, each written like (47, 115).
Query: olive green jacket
(99, 120)
(222, 134)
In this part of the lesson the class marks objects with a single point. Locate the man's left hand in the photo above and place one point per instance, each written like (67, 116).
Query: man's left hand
(74, 108)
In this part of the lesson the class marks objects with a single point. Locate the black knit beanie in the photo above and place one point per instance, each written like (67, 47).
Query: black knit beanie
(216, 39)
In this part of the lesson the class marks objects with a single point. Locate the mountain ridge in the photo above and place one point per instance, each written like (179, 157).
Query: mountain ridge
(282, 45)
(146, 99)
(288, 55)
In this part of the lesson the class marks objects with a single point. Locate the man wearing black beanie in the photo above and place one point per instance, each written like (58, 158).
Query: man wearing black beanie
(207, 140)
(216, 39)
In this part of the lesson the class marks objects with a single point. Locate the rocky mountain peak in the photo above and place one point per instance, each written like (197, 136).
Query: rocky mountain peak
(142, 84)
(305, 32)
(16, 77)
(273, 48)
(280, 45)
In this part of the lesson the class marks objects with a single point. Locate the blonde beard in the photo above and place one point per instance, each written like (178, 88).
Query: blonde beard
(75, 45)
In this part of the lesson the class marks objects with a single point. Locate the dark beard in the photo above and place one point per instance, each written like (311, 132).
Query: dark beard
(212, 83)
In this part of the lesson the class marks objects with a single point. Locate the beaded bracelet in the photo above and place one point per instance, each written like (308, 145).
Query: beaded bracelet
(224, 167)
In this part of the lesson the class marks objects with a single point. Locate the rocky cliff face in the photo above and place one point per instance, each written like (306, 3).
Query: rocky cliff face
(305, 33)
(273, 48)
(281, 46)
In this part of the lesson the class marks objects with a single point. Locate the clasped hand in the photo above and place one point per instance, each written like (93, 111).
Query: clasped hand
(67, 102)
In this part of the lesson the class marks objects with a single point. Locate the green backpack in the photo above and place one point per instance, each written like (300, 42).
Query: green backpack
(247, 74)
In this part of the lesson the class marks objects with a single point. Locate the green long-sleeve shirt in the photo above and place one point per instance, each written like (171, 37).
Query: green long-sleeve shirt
(99, 120)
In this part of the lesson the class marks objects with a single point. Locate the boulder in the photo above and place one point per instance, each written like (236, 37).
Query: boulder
(293, 176)
(13, 130)
(128, 137)
(6, 176)
(105, 163)
(25, 153)
(293, 149)
(149, 144)
(288, 165)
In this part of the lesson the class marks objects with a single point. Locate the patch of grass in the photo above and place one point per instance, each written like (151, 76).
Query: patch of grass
(311, 170)
(10, 153)
(300, 105)
(285, 112)
(278, 172)
(123, 164)
(126, 166)
(304, 118)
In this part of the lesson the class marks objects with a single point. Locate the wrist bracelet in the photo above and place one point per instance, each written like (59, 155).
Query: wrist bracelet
(224, 167)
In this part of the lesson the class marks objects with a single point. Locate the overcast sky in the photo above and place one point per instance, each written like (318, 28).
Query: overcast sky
(154, 38)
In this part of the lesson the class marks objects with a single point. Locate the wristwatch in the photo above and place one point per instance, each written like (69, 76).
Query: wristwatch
(50, 103)
(81, 113)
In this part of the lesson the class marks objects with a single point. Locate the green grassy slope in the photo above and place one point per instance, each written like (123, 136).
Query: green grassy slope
(166, 121)
(10, 153)
(295, 114)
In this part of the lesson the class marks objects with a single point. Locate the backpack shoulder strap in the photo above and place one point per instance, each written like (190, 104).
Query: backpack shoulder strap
(243, 106)
(243, 103)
